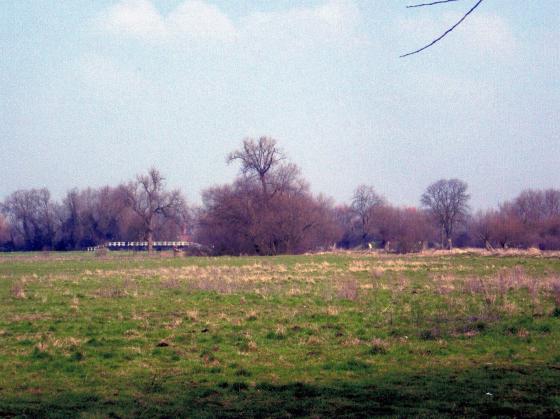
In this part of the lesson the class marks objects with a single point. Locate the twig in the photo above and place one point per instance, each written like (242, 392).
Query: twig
(446, 32)
(430, 4)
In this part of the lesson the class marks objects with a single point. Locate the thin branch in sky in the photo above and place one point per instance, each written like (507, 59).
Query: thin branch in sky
(446, 32)
(430, 4)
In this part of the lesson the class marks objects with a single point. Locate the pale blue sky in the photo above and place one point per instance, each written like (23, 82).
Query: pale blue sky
(93, 92)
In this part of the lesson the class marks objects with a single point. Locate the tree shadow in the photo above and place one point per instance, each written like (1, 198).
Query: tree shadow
(486, 391)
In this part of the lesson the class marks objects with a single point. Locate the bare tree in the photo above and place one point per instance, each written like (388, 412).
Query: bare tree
(552, 202)
(234, 221)
(482, 228)
(533, 206)
(148, 199)
(447, 200)
(72, 227)
(267, 210)
(534, 217)
(109, 216)
(364, 202)
(93, 216)
(507, 229)
(258, 158)
(439, 38)
(31, 213)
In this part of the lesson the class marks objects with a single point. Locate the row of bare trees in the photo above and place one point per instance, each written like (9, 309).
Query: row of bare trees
(530, 220)
(268, 209)
(139, 210)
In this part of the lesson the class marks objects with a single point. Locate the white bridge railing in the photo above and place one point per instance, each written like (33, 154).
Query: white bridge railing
(144, 245)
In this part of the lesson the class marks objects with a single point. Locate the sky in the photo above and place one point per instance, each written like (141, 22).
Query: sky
(93, 93)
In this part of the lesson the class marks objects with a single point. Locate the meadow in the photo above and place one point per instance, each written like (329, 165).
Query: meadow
(324, 335)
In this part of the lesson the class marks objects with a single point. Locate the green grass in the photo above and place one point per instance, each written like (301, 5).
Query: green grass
(317, 335)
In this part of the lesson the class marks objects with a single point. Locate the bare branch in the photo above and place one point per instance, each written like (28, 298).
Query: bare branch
(430, 4)
(446, 32)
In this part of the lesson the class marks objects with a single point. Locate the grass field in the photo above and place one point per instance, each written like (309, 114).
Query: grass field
(327, 335)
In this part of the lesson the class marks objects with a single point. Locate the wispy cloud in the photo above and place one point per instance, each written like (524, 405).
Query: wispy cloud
(197, 20)
(334, 21)
(140, 19)
(135, 19)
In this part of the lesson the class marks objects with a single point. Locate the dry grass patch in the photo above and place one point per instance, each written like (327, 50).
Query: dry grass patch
(173, 324)
(332, 311)
(359, 266)
(65, 343)
(506, 280)
(378, 346)
(313, 341)
(111, 292)
(555, 290)
(75, 303)
(260, 278)
(17, 290)
(128, 288)
(312, 267)
(293, 291)
(221, 286)
(192, 315)
(131, 334)
(348, 289)
(352, 341)
(251, 315)
(171, 283)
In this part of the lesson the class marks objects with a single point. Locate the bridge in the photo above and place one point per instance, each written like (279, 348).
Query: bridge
(157, 245)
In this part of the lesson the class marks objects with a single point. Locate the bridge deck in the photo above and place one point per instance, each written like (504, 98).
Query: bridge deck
(144, 245)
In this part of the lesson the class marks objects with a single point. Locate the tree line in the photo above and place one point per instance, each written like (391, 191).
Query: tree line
(269, 209)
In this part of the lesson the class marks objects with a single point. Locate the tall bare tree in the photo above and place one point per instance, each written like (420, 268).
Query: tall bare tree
(258, 158)
(148, 199)
(267, 210)
(364, 203)
(447, 200)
